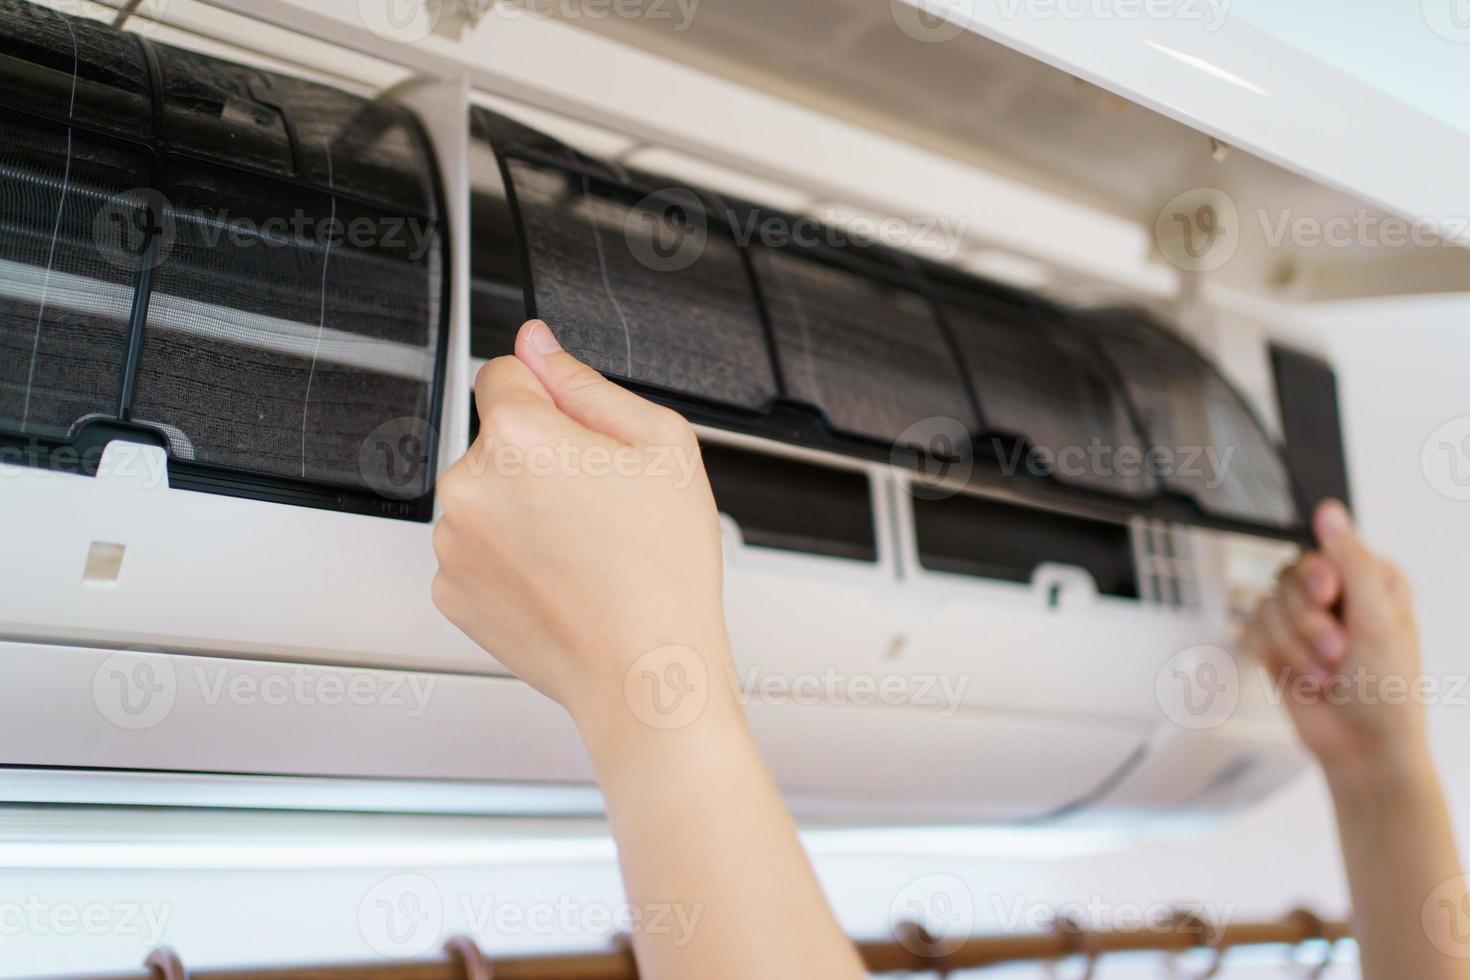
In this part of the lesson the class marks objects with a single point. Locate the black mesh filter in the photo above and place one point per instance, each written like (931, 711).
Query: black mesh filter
(643, 288)
(278, 339)
(372, 150)
(223, 111)
(1038, 379)
(66, 275)
(1209, 445)
(68, 68)
(869, 354)
(276, 318)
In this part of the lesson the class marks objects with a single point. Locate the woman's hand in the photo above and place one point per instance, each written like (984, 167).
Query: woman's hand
(1340, 634)
(580, 545)
(579, 533)
(1340, 631)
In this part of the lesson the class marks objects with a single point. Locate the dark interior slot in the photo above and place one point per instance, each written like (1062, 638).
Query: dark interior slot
(497, 297)
(1306, 390)
(794, 506)
(998, 540)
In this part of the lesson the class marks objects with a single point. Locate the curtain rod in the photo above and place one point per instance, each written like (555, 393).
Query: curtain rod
(916, 952)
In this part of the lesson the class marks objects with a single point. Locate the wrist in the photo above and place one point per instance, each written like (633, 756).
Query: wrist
(672, 694)
(1395, 777)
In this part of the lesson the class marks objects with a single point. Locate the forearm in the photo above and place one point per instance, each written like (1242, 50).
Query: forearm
(704, 836)
(1399, 848)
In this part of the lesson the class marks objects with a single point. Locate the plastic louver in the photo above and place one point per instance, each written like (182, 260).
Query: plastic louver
(1097, 411)
(258, 285)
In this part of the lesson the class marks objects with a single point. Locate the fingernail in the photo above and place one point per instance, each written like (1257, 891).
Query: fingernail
(541, 339)
(1331, 647)
(1332, 520)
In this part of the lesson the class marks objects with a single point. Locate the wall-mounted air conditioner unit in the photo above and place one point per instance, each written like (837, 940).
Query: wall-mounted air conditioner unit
(239, 312)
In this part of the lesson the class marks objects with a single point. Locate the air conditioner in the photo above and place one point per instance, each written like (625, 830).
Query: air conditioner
(222, 412)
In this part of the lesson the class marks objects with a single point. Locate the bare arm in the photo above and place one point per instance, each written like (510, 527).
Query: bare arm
(1341, 628)
(580, 544)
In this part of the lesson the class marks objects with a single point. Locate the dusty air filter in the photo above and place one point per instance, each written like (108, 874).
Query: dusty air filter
(242, 267)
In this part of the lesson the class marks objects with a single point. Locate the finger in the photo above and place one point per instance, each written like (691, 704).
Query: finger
(507, 378)
(1361, 570)
(1314, 581)
(1304, 588)
(579, 391)
(1286, 645)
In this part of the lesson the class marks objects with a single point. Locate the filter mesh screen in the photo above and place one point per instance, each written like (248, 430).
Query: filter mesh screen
(631, 297)
(223, 111)
(1039, 380)
(868, 354)
(274, 346)
(67, 68)
(1208, 442)
(66, 275)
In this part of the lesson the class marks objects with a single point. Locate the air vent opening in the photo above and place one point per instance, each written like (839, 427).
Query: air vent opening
(984, 538)
(790, 505)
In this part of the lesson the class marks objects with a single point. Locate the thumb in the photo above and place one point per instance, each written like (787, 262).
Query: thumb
(1364, 584)
(580, 391)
